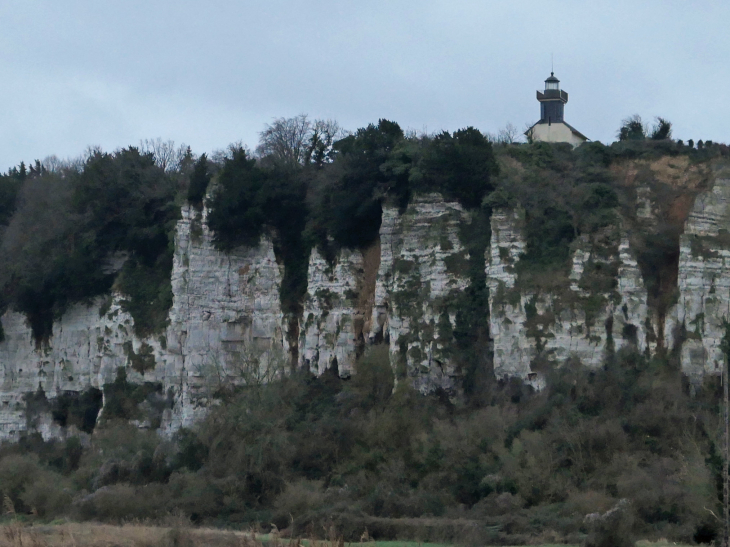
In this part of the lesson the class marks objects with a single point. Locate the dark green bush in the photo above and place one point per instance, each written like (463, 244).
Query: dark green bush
(77, 409)
(199, 181)
(348, 199)
(249, 202)
(460, 166)
(55, 248)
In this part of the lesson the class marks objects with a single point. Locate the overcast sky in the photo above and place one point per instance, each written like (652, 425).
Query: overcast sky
(87, 72)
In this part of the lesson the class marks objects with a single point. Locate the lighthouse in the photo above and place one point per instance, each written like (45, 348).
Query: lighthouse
(552, 126)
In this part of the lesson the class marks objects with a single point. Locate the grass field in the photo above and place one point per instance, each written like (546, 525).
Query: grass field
(17, 534)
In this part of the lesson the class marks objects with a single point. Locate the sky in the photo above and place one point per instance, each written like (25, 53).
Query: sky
(82, 73)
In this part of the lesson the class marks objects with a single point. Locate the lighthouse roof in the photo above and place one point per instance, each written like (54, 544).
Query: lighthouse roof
(552, 78)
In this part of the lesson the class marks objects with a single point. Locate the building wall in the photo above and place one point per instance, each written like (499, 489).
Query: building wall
(555, 132)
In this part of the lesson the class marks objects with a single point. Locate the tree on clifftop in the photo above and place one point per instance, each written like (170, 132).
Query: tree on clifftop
(297, 141)
(632, 129)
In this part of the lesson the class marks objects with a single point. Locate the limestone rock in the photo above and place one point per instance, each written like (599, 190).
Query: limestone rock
(332, 321)
(530, 329)
(225, 325)
(703, 284)
(422, 268)
(225, 322)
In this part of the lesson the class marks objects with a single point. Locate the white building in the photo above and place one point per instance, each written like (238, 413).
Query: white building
(552, 126)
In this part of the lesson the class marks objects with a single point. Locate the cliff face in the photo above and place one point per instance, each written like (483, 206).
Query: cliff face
(696, 323)
(335, 311)
(226, 322)
(422, 269)
(225, 311)
(601, 307)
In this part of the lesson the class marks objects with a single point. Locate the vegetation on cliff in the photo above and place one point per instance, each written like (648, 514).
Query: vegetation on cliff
(311, 185)
(302, 451)
(67, 224)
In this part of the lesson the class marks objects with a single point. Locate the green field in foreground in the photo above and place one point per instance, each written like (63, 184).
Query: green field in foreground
(88, 534)
(417, 544)
(642, 543)
(266, 537)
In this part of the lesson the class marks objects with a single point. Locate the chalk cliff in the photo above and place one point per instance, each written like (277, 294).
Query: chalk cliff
(696, 323)
(601, 307)
(226, 323)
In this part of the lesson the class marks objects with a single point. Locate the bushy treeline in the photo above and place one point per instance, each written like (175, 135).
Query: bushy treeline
(310, 184)
(303, 451)
(62, 224)
(62, 228)
(334, 198)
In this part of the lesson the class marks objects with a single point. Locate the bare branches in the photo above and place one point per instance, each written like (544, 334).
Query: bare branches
(508, 134)
(285, 141)
(167, 156)
(291, 142)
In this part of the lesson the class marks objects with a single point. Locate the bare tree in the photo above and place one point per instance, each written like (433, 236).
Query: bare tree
(508, 134)
(323, 135)
(298, 141)
(53, 164)
(285, 142)
(167, 156)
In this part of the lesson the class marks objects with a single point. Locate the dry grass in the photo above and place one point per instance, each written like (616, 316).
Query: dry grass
(660, 543)
(175, 533)
(16, 534)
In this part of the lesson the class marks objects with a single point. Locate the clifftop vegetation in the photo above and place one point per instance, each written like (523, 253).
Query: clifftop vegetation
(310, 184)
(504, 462)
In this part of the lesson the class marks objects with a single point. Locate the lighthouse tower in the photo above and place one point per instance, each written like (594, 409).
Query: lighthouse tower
(552, 126)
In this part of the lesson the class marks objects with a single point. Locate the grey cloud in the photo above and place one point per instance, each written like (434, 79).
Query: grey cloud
(78, 72)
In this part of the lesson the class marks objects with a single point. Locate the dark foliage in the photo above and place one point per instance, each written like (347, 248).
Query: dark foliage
(362, 454)
(9, 187)
(237, 209)
(122, 398)
(199, 181)
(564, 194)
(249, 202)
(632, 129)
(68, 224)
(78, 409)
(349, 209)
(461, 166)
(662, 130)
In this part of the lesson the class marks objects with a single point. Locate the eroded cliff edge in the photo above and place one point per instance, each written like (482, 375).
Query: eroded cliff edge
(226, 323)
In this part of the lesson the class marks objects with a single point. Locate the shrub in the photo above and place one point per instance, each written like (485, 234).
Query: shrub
(460, 166)
(632, 128)
(54, 250)
(348, 207)
(299, 498)
(122, 502)
(612, 529)
(250, 201)
(48, 494)
(77, 409)
(199, 181)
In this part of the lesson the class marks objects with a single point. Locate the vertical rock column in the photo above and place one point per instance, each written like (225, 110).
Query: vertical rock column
(226, 321)
(513, 352)
(423, 268)
(581, 320)
(696, 321)
(332, 321)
